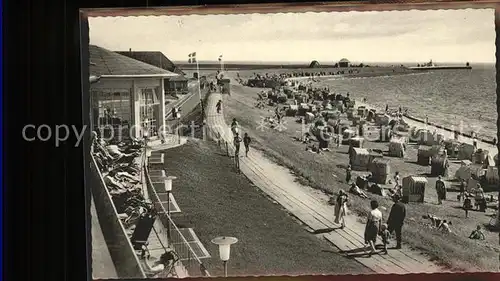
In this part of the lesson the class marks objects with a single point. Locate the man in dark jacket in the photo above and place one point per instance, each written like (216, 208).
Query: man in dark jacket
(246, 142)
(396, 219)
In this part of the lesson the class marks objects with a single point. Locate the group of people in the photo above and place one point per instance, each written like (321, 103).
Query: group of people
(395, 221)
(374, 226)
(119, 166)
(477, 193)
(439, 223)
(110, 155)
(237, 140)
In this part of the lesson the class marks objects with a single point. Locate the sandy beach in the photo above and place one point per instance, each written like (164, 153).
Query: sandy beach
(434, 125)
(492, 149)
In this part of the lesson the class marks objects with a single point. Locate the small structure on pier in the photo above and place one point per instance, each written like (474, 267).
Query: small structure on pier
(314, 64)
(344, 63)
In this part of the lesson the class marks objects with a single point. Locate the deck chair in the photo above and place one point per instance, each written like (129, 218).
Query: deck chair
(169, 259)
(163, 267)
(141, 234)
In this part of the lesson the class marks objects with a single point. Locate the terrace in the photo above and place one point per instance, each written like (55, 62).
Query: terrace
(142, 239)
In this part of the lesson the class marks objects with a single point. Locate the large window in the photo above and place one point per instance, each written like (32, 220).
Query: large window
(149, 99)
(111, 112)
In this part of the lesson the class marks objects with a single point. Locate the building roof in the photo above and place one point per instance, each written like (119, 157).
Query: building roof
(155, 58)
(178, 78)
(106, 63)
(344, 60)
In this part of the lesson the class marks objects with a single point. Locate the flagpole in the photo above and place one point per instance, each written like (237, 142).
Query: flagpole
(199, 90)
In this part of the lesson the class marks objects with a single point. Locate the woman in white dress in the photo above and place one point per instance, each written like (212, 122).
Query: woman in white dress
(372, 226)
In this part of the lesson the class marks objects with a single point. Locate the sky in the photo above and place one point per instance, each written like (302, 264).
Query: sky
(454, 36)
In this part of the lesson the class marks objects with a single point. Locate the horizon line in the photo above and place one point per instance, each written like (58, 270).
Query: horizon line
(330, 62)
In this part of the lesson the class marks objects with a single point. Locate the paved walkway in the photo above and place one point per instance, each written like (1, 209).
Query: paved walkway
(315, 213)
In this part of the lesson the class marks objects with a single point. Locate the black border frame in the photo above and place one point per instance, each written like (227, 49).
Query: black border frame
(43, 233)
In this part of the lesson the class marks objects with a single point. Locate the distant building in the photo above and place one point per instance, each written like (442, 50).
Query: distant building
(155, 58)
(344, 63)
(129, 96)
(314, 64)
(173, 86)
(177, 85)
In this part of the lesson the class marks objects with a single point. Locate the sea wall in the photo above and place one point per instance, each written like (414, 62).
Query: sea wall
(122, 253)
(488, 141)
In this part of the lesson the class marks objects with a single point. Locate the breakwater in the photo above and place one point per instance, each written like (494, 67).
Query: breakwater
(439, 67)
(488, 141)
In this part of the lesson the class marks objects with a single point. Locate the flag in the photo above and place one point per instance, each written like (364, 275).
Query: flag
(192, 57)
(220, 57)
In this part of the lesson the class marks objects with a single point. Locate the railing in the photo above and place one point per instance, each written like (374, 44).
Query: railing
(188, 259)
(122, 253)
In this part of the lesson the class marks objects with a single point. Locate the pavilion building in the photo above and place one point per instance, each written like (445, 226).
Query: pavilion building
(128, 99)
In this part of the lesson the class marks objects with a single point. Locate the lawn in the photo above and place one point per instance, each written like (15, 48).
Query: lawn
(216, 201)
(326, 172)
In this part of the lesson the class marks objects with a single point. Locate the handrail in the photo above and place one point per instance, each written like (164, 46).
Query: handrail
(129, 245)
(163, 212)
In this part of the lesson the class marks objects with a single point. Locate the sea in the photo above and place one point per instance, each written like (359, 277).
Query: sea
(460, 99)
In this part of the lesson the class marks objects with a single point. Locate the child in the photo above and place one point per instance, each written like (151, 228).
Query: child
(477, 234)
(445, 226)
(386, 235)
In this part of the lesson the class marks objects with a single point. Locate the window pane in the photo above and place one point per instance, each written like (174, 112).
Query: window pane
(112, 107)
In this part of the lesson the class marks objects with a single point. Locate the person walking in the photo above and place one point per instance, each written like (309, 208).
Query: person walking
(234, 126)
(373, 225)
(341, 208)
(467, 205)
(396, 219)
(398, 190)
(397, 180)
(246, 141)
(174, 112)
(441, 190)
(479, 198)
(348, 174)
(385, 235)
(218, 106)
(237, 141)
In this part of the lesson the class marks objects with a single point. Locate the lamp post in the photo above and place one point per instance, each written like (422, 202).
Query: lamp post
(145, 135)
(178, 129)
(224, 244)
(168, 189)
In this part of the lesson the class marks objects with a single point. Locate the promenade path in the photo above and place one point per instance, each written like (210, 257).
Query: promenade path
(312, 209)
